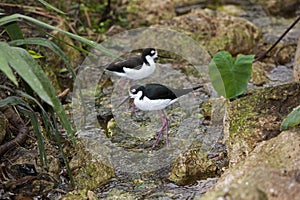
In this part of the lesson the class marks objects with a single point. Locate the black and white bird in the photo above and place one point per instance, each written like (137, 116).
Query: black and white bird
(151, 97)
(135, 67)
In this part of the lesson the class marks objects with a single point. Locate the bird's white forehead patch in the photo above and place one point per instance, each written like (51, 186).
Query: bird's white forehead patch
(152, 52)
(133, 90)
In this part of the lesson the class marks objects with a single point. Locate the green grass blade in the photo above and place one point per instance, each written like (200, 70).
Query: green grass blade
(33, 74)
(15, 58)
(25, 108)
(37, 130)
(16, 17)
(14, 31)
(46, 119)
(49, 44)
(48, 88)
(4, 67)
(12, 101)
(58, 141)
(51, 7)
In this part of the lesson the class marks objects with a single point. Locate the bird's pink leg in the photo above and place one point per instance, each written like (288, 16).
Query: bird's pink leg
(133, 107)
(164, 126)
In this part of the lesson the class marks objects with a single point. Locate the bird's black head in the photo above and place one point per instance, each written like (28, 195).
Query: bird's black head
(149, 52)
(134, 91)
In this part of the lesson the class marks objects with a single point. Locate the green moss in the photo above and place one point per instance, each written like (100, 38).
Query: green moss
(257, 116)
(90, 171)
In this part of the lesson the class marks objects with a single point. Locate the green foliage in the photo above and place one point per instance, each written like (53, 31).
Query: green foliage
(14, 57)
(230, 76)
(50, 127)
(5, 68)
(47, 5)
(35, 54)
(14, 31)
(49, 44)
(292, 120)
(18, 59)
(26, 109)
(22, 62)
(15, 17)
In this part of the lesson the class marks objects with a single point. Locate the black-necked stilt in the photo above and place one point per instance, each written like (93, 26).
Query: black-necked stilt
(151, 97)
(135, 67)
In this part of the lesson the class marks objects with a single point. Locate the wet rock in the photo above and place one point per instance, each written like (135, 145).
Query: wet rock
(296, 71)
(80, 195)
(116, 194)
(3, 126)
(256, 117)
(149, 12)
(216, 31)
(280, 74)
(271, 171)
(90, 171)
(191, 166)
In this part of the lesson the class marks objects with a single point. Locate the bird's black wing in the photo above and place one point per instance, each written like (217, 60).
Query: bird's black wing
(158, 91)
(134, 62)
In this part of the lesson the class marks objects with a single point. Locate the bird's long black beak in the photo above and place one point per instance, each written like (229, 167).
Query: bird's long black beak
(123, 101)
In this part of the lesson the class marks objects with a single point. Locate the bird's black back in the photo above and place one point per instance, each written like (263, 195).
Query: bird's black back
(134, 62)
(158, 91)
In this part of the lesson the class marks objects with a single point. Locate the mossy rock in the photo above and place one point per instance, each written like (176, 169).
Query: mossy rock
(217, 32)
(191, 166)
(271, 171)
(80, 195)
(89, 170)
(145, 13)
(257, 116)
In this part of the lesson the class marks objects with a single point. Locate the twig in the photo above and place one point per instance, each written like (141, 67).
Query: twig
(19, 125)
(262, 56)
(64, 93)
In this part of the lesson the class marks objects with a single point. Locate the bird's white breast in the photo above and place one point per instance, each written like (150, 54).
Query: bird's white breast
(141, 73)
(146, 104)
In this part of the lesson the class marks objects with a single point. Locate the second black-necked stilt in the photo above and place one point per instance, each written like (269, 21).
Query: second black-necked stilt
(151, 97)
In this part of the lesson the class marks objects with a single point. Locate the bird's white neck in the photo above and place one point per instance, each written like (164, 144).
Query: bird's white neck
(150, 60)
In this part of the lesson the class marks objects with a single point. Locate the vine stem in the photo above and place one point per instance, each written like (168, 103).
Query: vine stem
(262, 56)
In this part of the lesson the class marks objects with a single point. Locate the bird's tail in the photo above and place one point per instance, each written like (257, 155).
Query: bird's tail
(181, 92)
(197, 87)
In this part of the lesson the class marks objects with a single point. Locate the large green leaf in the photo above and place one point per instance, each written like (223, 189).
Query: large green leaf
(230, 76)
(4, 67)
(49, 44)
(21, 61)
(15, 58)
(14, 31)
(293, 119)
(49, 89)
